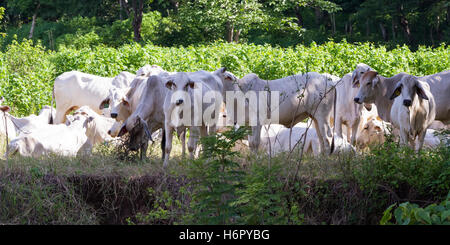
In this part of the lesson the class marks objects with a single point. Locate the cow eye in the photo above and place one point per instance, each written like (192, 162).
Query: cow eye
(368, 84)
(366, 127)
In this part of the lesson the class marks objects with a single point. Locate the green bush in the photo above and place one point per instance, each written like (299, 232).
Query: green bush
(395, 168)
(411, 214)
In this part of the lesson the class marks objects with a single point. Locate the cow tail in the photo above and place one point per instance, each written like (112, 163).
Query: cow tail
(334, 115)
(50, 121)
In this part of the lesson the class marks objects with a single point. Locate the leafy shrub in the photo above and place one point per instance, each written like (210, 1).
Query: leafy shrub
(392, 167)
(411, 214)
(216, 179)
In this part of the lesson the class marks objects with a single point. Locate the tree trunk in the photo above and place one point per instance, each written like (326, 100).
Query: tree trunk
(405, 24)
(138, 8)
(383, 31)
(431, 36)
(230, 32)
(367, 28)
(333, 23)
(393, 29)
(318, 15)
(299, 16)
(236, 36)
(33, 23)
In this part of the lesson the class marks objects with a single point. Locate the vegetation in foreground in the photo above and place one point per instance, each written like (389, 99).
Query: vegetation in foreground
(226, 187)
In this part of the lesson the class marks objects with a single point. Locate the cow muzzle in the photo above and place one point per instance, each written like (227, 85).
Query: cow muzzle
(114, 115)
(179, 102)
(407, 102)
(356, 99)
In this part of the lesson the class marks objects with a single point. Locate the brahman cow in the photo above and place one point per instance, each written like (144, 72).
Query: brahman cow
(193, 101)
(18, 126)
(299, 97)
(74, 89)
(276, 138)
(374, 88)
(78, 136)
(413, 110)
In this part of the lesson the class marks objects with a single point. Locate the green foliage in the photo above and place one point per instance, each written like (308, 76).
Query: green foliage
(262, 200)
(216, 179)
(411, 214)
(27, 77)
(391, 167)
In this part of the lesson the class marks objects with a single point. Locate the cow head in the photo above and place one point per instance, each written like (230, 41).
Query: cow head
(367, 88)
(371, 133)
(357, 74)
(180, 84)
(408, 87)
(228, 79)
(118, 104)
(139, 133)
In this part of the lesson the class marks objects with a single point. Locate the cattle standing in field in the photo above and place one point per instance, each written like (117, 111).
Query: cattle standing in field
(300, 96)
(191, 96)
(413, 110)
(348, 113)
(75, 89)
(374, 88)
(148, 116)
(18, 126)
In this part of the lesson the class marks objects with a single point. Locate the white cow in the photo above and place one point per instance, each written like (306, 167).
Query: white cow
(414, 109)
(348, 113)
(18, 126)
(374, 88)
(189, 92)
(74, 89)
(57, 139)
(97, 126)
(281, 139)
(300, 96)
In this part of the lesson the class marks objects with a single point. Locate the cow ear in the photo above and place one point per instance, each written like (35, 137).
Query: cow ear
(397, 91)
(378, 129)
(125, 102)
(375, 80)
(5, 108)
(146, 130)
(123, 130)
(191, 84)
(355, 82)
(420, 91)
(104, 104)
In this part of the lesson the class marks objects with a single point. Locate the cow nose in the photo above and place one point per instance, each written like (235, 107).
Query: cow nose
(113, 115)
(356, 99)
(179, 102)
(407, 102)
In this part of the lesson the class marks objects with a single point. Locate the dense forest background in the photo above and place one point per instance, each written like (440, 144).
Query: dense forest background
(185, 22)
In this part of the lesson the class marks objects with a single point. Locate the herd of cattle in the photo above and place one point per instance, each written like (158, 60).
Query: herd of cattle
(353, 111)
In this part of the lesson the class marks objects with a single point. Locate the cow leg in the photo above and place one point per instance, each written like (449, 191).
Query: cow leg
(194, 134)
(354, 131)
(163, 143)
(338, 126)
(168, 146)
(61, 112)
(421, 138)
(182, 137)
(325, 133)
(404, 137)
(255, 138)
(319, 135)
(143, 150)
